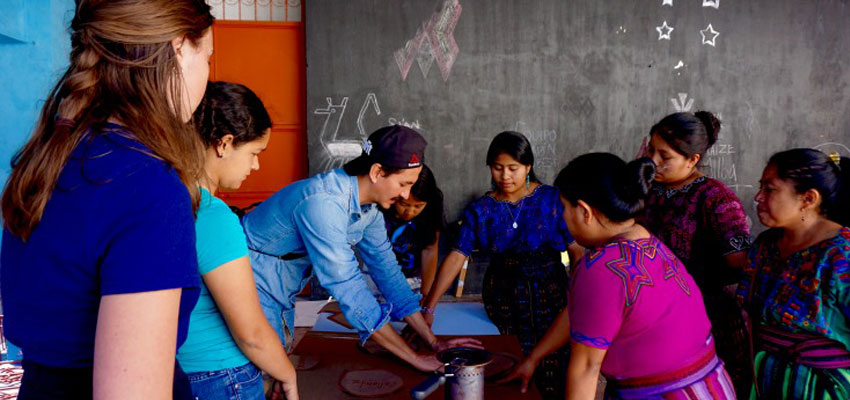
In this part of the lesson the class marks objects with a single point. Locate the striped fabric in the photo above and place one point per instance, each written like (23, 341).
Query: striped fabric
(704, 379)
(780, 379)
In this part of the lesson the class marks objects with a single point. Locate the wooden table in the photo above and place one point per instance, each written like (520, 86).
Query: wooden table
(338, 353)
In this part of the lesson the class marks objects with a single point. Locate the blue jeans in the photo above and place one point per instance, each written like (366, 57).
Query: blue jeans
(245, 382)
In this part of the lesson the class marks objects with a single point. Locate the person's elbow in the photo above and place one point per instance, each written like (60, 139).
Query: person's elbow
(250, 337)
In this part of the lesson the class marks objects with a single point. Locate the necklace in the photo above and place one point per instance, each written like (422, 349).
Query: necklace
(521, 203)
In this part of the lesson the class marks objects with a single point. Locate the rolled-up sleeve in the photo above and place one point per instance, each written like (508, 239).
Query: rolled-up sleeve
(322, 224)
(377, 253)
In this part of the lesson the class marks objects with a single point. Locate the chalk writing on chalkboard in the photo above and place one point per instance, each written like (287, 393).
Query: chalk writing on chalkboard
(664, 31)
(709, 35)
(711, 3)
(666, 3)
(683, 103)
(341, 149)
(433, 41)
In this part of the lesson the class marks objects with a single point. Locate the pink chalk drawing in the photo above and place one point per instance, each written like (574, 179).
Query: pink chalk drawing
(433, 42)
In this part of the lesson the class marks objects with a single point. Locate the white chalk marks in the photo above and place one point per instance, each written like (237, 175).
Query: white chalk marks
(709, 35)
(342, 146)
(683, 103)
(834, 147)
(666, 3)
(433, 42)
(664, 31)
(711, 3)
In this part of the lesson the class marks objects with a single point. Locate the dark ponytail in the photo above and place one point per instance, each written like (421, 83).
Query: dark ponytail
(812, 169)
(607, 183)
(688, 133)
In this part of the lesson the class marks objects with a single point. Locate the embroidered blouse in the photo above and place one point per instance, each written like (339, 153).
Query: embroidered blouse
(806, 292)
(488, 224)
(700, 222)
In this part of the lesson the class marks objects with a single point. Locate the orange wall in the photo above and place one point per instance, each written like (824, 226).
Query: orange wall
(267, 57)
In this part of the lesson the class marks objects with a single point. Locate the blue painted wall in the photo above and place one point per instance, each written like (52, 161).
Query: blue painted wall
(34, 48)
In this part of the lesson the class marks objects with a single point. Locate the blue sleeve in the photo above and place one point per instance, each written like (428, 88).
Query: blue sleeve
(467, 237)
(153, 248)
(220, 238)
(562, 224)
(322, 224)
(377, 253)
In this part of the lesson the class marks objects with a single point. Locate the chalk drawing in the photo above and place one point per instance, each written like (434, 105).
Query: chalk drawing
(709, 35)
(435, 38)
(666, 3)
(679, 65)
(342, 149)
(664, 31)
(581, 106)
(544, 143)
(711, 3)
(830, 147)
(683, 103)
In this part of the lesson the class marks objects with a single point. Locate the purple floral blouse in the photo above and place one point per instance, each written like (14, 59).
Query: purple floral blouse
(700, 222)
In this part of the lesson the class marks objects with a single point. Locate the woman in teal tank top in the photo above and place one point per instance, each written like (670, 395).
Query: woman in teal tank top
(230, 341)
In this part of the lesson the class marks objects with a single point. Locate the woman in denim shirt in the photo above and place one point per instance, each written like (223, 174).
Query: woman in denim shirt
(311, 226)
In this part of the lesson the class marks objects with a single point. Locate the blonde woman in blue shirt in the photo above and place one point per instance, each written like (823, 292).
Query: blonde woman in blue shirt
(229, 339)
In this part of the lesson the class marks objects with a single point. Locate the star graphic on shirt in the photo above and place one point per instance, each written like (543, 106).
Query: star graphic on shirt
(666, 3)
(709, 35)
(711, 3)
(664, 31)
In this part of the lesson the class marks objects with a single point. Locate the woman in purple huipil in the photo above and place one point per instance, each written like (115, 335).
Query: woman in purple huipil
(635, 313)
(704, 224)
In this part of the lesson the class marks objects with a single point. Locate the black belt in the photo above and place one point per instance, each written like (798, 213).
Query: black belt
(285, 257)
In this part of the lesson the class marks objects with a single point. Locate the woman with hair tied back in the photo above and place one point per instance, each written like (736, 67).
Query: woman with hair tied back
(98, 256)
(635, 313)
(519, 225)
(796, 283)
(229, 337)
(704, 224)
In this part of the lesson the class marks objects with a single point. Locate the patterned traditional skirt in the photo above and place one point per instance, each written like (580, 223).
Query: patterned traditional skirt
(704, 379)
(800, 366)
(523, 294)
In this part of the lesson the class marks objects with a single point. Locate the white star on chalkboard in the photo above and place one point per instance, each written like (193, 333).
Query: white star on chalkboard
(711, 3)
(666, 3)
(664, 31)
(709, 31)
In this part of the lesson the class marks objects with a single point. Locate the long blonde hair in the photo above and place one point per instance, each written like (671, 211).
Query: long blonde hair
(124, 67)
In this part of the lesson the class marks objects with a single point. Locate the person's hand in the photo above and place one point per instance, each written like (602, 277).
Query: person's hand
(427, 362)
(522, 371)
(441, 345)
(284, 391)
(429, 318)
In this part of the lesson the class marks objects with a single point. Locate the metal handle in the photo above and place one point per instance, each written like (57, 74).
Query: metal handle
(428, 386)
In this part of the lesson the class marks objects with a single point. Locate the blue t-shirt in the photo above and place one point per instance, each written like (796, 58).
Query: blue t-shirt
(118, 221)
(220, 240)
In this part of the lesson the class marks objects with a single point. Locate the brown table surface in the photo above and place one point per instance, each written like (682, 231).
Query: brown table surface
(338, 353)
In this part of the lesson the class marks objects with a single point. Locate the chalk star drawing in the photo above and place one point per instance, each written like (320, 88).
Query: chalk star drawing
(664, 31)
(435, 38)
(683, 103)
(711, 3)
(667, 3)
(709, 31)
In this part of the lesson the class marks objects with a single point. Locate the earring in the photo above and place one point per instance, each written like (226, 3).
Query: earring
(527, 181)
(803, 217)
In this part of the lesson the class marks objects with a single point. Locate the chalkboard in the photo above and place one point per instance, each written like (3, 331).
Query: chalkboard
(576, 76)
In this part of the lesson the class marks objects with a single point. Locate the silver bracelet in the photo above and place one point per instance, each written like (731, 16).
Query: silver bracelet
(427, 310)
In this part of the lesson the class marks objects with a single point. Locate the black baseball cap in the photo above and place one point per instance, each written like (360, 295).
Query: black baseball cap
(394, 146)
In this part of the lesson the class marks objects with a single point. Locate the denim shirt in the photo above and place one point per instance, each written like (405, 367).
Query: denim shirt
(322, 217)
